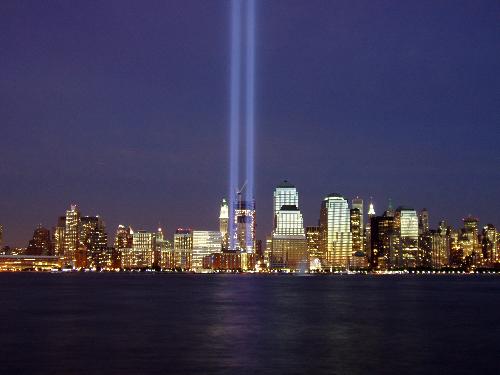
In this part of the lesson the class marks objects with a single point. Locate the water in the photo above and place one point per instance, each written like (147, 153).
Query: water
(241, 324)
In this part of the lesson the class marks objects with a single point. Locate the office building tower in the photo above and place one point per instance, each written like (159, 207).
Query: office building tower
(1, 236)
(440, 249)
(357, 203)
(58, 242)
(335, 231)
(289, 245)
(94, 238)
(183, 248)
(406, 224)
(205, 243)
(72, 236)
(489, 244)
(41, 243)
(223, 224)
(316, 257)
(469, 241)
(423, 221)
(383, 241)
(143, 249)
(357, 234)
(285, 194)
(244, 221)
(123, 244)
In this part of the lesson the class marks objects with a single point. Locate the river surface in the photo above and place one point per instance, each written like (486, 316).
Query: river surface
(141, 323)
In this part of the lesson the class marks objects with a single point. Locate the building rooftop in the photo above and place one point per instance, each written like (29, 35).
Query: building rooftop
(286, 184)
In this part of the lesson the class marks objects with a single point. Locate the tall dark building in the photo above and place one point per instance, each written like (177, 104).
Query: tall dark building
(356, 230)
(383, 241)
(94, 238)
(41, 243)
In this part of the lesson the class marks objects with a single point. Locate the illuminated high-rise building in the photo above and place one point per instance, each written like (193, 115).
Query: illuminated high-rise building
(357, 234)
(357, 203)
(223, 224)
(316, 257)
(285, 194)
(423, 221)
(123, 245)
(244, 221)
(335, 231)
(469, 241)
(489, 243)
(383, 241)
(143, 248)
(289, 245)
(183, 248)
(1, 236)
(204, 243)
(406, 224)
(440, 249)
(72, 235)
(94, 238)
(58, 242)
(41, 243)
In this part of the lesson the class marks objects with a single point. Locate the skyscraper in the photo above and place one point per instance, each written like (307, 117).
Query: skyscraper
(95, 239)
(289, 245)
(72, 235)
(40, 244)
(423, 221)
(357, 234)
(183, 248)
(316, 257)
(58, 241)
(358, 203)
(123, 245)
(285, 194)
(144, 245)
(335, 231)
(406, 224)
(223, 224)
(204, 243)
(244, 221)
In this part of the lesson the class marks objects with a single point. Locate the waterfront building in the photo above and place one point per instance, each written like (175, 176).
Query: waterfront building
(335, 231)
(143, 248)
(423, 221)
(383, 241)
(406, 225)
(204, 243)
(72, 236)
(58, 241)
(357, 203)
(316, 257)
(289, 245)
(94, 238)
(41, 243)
(183, 248)
(223, 224)
(356, 230)
(244, 221)
(489, 243)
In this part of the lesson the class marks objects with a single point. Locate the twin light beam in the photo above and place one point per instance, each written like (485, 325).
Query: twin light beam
(241, 111)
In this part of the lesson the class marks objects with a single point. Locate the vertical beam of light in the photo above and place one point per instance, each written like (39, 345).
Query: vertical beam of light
(250, 109)
(234, 114)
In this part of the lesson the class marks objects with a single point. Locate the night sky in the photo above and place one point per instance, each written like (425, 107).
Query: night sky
(122, 108)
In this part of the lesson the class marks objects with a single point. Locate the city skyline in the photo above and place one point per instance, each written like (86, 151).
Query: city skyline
(131, 122)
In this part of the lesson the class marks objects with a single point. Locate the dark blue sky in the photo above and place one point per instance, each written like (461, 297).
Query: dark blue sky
(122, 107)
